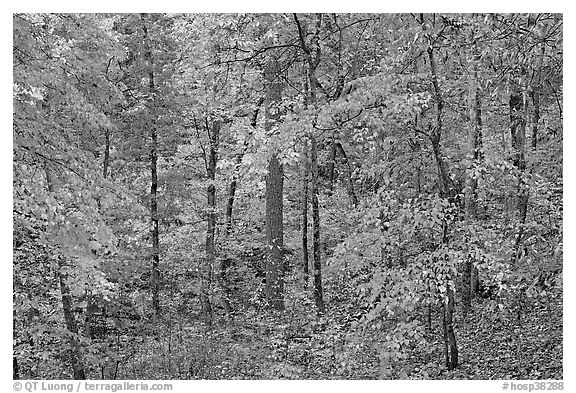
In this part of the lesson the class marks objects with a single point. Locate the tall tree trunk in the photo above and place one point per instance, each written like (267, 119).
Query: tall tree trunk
(446, 191)
(155, 273)
(305, 256)
(67, 308)
(518, 133)
(207, 269)
(313, 55)
(436, 132)
(475, 157)
(316, 246)
(274, 194)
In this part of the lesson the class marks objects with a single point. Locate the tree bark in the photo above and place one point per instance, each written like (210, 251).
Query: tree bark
(15, 371)
(518, 133)
(313, 55)
(305, 175)
(155, 273)
(475, 157)
(449, 336)
(331, 165)
(207, 269)
(436, 132)
(446, 191)
(316, 246)
(351, 188)
(535, 95)
(274, 195)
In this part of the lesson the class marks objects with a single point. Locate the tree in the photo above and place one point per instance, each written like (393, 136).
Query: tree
(274, 193)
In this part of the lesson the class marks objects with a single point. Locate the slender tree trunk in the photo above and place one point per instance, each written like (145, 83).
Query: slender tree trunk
(106, 152)
(446, 191)
(224, 263)
(436, 132)
(449, 336)
(518, 131)
(234, 183)
(155, 273)
(67, 308)
(331, 165)
(15, 372)
(535, 95)
(475, 157)
(313, 55)
(318, 296)
(207, 269)
(351, 188)
(274, 195)
(305, 257)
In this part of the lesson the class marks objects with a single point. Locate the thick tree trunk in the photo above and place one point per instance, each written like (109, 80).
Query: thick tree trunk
(274, 195)
(208, 268)
(155, 273)
(518, 133)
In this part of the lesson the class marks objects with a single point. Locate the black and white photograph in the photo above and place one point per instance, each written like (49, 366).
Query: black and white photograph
(287, 196)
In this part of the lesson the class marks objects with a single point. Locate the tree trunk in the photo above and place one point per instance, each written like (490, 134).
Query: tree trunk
(207, 269)
(518, 132)
(15, 371)
(351, 189)
(155, 273)
(451, 350)
(67, 308)
(305, 257)
(446, 191)
(77, 362)
(274, 195)
(318, 296)
(106, 152)
(475, 157)
(331, 165)
(313, 54)
(535, 95)
(234, 183)
(436, 132)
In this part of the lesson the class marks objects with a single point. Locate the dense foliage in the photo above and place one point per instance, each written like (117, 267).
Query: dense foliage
(287, 196)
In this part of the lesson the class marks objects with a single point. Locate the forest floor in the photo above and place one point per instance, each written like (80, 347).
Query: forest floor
(298, 345)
